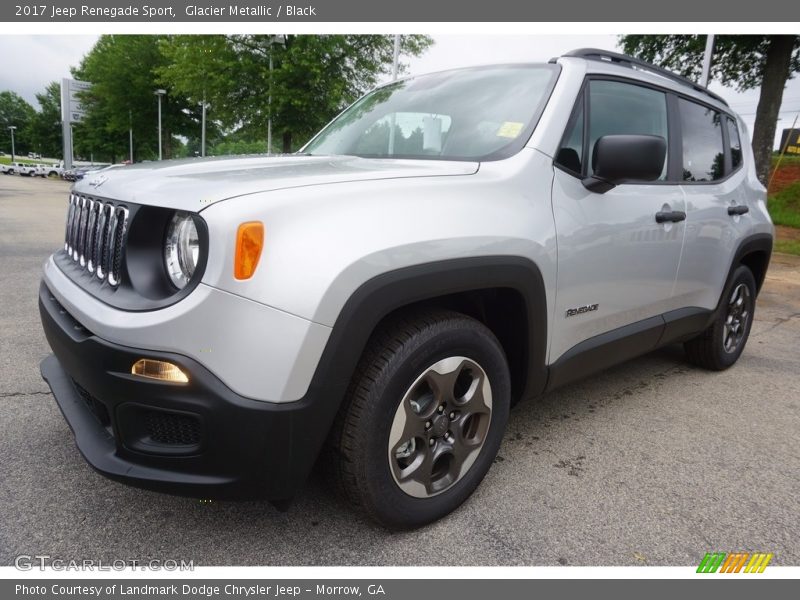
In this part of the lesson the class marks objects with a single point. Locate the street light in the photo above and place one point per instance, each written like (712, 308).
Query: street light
(395, 67)
(396, 57)
(707, 55)
(159, 93)
(130, 136)
(12, 128)
(281, 41)
(203, 129)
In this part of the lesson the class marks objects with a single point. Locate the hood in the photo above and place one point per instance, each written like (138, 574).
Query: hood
(194, 184)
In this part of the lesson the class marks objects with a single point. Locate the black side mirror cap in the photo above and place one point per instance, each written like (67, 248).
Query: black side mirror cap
(619, 158)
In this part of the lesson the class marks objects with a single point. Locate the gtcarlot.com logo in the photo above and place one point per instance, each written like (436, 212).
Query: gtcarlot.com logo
(734, 562)
(28, 562)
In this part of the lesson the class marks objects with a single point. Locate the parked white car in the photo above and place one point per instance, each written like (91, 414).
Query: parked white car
(25, 169)
(54, 170)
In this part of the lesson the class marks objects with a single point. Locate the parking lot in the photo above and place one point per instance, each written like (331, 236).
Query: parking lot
(653, 462)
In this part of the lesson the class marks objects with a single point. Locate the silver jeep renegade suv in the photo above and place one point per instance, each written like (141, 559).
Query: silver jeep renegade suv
(448, 245)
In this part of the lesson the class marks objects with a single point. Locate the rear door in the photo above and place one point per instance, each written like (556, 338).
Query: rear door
(713, 183)
(616, 264)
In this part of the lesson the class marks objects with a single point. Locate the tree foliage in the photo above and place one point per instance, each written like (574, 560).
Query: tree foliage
(16, 112)
(740, 61)
(313, 78)
(123, 70)
(45, 128)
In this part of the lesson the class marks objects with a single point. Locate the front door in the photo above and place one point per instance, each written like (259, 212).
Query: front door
(616, 264)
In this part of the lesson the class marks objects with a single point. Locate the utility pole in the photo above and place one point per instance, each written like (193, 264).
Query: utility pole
(707, 60)
(203, 129)
(130, 135)
(12, 128)
(159, 93)
(269, 105)
(393, 120)
(281, 41)
(396, 60)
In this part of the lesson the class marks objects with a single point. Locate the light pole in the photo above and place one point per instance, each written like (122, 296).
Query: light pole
(280, 40)
(203, 129)
(159, 93)
(396, 57)
(709, 52)
(12, 128)
(130, 136)
(395, 65)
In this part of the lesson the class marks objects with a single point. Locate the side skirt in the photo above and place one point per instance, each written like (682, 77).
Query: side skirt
(622, 344)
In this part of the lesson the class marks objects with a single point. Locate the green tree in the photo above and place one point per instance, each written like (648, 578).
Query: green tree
(123, 72)
(313, 78)
(16, 112)
(743, 61)
(45, 125)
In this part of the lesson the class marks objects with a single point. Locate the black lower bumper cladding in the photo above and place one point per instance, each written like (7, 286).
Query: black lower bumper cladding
(196, 439)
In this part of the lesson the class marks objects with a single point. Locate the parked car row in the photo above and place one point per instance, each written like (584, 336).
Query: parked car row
(45, 170)
(31, 169)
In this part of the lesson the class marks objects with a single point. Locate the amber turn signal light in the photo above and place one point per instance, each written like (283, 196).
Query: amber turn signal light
(159, 369)
(249, 241)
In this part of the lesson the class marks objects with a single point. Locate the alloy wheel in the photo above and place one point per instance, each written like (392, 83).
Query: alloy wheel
(735, 326)
(440, 427)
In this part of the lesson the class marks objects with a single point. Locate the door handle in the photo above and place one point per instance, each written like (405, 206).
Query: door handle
(738, 210)
(670, 216)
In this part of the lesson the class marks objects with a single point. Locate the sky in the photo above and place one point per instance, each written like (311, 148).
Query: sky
(33, 61)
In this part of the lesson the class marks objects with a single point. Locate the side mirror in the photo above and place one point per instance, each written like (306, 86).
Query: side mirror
(618, 158)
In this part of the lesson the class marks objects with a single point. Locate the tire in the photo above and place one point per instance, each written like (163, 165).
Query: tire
(721, 345)
(414, 364)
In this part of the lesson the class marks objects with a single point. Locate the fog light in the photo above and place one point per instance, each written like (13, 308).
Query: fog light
(159, 369)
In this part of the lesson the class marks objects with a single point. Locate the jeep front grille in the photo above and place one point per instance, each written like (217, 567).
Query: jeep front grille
(95, 236)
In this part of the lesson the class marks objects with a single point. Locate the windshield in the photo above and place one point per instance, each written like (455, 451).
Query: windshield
(482, 113)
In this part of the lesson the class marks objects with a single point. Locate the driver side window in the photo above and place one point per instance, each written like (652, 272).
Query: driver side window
(614, 108)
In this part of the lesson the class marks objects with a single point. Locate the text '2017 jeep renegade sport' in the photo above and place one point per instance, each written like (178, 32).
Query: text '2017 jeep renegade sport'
(449, 244)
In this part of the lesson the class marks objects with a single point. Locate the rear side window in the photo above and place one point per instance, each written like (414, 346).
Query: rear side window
(736, 144)
(703, 150)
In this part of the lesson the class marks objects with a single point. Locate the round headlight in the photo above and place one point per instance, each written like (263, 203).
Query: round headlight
(182, 249)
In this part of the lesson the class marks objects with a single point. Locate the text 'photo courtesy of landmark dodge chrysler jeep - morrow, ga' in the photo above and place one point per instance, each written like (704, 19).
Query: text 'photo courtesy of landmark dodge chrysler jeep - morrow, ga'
(448, 245)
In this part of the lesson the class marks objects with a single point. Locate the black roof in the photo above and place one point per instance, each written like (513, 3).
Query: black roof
(629, 61)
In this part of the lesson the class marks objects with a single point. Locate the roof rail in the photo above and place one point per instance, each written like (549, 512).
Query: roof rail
(629, 61)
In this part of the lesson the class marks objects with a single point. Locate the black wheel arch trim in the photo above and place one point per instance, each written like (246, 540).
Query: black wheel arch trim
(380, 296)
(758, 242)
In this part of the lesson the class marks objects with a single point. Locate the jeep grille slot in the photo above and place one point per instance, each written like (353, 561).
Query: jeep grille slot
(95, 236)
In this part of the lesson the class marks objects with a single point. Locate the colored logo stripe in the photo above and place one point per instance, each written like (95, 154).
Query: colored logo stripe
(711, 562)
(758, 563)
(734, 562)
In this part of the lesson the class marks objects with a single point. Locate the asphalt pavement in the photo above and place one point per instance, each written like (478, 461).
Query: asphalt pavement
(653, 462)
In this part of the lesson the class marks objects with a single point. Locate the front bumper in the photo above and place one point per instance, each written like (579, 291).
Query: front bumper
(196, 439)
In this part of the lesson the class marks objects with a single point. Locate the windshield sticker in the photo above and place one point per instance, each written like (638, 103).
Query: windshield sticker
(510, 129)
